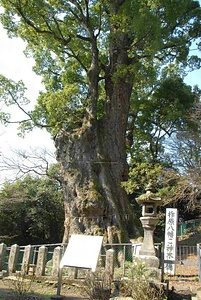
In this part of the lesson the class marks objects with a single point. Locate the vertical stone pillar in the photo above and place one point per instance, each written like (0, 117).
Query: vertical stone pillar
(41, 261)
(13, 258)
(2, 255)
(27, 259)
(57, 254)
(109, 265)
(149, 225)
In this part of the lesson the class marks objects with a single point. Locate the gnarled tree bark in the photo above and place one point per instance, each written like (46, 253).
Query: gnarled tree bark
(93, 158)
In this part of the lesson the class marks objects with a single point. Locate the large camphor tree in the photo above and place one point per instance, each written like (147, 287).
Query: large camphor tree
(96, 57)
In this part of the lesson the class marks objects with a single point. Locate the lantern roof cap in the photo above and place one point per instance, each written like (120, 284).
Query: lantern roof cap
(149, 196)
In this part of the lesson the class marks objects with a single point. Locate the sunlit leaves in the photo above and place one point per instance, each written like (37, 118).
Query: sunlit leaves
(11, 94)
(140, 174)
(59, 110)
(61, 36)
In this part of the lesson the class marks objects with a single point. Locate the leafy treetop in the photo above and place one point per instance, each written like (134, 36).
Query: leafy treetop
(77, 45)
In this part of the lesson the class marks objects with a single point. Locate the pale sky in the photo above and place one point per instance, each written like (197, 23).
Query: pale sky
(14, 65)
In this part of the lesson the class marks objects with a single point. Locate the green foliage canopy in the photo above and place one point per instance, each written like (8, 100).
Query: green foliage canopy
(73, 40)
(31, 211)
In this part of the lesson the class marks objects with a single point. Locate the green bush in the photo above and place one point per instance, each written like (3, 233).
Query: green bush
(139, 286)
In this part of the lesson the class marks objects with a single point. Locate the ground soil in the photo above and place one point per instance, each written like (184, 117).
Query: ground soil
(38, 290)
(179, 289)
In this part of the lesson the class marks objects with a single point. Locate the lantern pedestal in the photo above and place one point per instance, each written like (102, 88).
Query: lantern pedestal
(147, 252)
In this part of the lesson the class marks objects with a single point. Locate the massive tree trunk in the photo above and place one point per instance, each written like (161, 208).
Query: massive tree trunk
(93, 159)
(93, 168)
(94, 165)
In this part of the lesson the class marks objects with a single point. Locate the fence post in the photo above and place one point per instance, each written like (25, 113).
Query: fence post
(124, 259)
(41, 261)
(56, 258)
(2, 255)
(199, 260)
(13, 258)
(109, 265)
(162, 261)
(27, 258)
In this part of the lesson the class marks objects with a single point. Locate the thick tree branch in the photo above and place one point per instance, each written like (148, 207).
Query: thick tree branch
(61, 39)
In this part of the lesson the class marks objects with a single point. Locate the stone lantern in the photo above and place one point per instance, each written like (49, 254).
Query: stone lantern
(149, 220)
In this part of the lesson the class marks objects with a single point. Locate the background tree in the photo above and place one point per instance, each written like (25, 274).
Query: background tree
(94, 57)
(165, 148)
(159, 115)
(187, 159)
(34, 161)
(31, 211)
